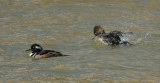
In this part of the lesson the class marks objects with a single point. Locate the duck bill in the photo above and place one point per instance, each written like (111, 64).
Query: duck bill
(28, 50)
(94, 37)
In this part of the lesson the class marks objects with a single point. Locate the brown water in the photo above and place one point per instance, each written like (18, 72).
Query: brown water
(66, 26)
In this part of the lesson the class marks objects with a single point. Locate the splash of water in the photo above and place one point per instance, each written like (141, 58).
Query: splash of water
(136, 38)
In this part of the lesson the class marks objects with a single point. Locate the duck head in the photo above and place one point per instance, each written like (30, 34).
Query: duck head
(35, 48)
(98, 30)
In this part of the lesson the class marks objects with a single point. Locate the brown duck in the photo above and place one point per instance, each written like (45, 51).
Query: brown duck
(112, 38)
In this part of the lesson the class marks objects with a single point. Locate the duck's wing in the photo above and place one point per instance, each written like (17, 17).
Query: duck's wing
(120, 33)
(49, 53)
(115, 33)
(112, 38)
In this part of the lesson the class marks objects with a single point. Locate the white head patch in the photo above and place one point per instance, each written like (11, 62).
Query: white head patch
(38, 47)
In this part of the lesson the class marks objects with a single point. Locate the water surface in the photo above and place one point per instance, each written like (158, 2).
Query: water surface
(67, 26)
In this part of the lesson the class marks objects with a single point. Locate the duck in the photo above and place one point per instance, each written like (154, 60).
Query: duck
(38, 52)
(112, 38)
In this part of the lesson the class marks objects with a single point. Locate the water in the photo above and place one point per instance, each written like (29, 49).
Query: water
(67, 26)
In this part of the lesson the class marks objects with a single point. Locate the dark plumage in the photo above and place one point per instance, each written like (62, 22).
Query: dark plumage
(113, 38)
(38, 52)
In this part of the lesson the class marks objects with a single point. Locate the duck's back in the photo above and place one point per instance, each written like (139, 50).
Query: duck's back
(112, 38)
(52, 53)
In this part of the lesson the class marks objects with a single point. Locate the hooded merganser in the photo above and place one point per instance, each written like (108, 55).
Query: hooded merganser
(113, 38)
(38, 52)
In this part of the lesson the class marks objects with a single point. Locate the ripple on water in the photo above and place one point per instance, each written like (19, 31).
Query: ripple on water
(67, 26)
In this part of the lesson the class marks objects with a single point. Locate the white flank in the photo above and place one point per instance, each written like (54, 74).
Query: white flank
(101, 40)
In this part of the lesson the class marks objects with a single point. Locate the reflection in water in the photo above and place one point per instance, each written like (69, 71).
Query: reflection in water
(67, 26)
